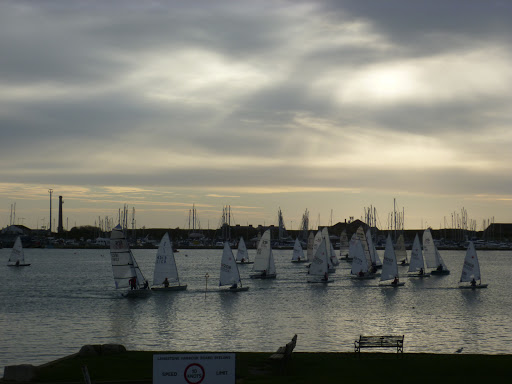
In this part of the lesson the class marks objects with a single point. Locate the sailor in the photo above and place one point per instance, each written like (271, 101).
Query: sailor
(421, 271)
(234, 286)
(326, 277)
(395, 281)
(264, 273)
(166, 283)
(440, 267)
(473, 282)
(133, 283)
(361, 273)
(17, 263)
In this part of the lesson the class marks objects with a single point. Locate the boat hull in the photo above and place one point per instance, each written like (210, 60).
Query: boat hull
(366, 277)
(137, 293)
(245, 262)
(386, 285)
(19, 265)
(170, 289)
(418, 275)
(300, 261)
(479, 286)
(238, 289)
(439, 273)
(260, 276)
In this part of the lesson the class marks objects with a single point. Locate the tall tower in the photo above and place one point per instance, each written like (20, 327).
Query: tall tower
(60, 229)
(50, 191)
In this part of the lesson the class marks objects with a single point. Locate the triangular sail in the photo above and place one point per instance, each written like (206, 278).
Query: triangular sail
(124, 266)
(319, 264)
(344, 245)
(373, 251)
(242, 253)
(298, 253)
(416, 262)
(400, 250)
(165, 264)
(17, 253)
(362, 238)
(356, 252)
(389, 266)
(262, 259)
(429, 250)
(229, 273)
(271, 265)
(471, 267)
(311, 241)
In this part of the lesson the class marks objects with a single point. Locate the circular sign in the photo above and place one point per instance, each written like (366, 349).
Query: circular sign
(194, 374)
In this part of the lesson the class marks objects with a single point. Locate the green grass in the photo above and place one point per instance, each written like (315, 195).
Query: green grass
(255, 367)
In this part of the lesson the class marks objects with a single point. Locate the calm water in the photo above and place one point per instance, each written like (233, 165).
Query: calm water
(66, 299)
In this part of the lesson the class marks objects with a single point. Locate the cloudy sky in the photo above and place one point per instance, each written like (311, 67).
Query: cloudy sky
(330, 106)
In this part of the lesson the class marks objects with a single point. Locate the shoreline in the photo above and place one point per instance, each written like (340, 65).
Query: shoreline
(302, 367)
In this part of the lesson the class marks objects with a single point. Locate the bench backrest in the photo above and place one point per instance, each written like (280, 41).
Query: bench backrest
(384, 341)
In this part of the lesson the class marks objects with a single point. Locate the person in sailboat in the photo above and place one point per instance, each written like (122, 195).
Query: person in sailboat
(264, 273)
(166, 283)
(373, 269)
(133, 283)
(395, 281)
(421, 272)
(326, 277)
(473, 282)
(440, 267)
(361, 273)
(243, 260)
(146, 284)
(234, 286)
(17, 263)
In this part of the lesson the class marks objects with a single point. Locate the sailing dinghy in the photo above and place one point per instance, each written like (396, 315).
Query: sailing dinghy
(417, 265)
(165, 276)
(242, 256)
(400, 251)
(229, 274)
(389, 274)
(344, 246)
(264, 266)
(360, 267)
(127, 274)
(17, 258)
(471, 270)
(298, 253)
(432, 256)
(318, 271)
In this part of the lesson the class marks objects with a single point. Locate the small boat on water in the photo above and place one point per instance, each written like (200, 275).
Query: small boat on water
(400, 251)
(389, 274)
(229, 274)
(165, 275)
(17, 258)
(128, 277)
(471, 270)
(433, 258)
(344, 246)
(264, 266)
(360, 266)
(318, 271)
(417, 265)
(242, 256)
(298, 253)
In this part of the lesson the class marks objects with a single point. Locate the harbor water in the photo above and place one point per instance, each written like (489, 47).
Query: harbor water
(67, 299)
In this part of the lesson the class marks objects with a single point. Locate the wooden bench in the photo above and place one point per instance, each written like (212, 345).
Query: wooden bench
(284, 353)
(391, 341)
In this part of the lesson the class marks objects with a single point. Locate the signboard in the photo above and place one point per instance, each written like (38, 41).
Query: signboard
(194, 368)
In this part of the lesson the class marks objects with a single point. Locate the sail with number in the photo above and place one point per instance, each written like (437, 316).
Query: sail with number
(242, 256)
(17, 257)
(318, 270)
(432, 256)
(166, 272)
(264, 260)
(416, 264)
(389, 266)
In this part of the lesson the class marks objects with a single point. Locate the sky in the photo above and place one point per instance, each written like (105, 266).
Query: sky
(329, 106)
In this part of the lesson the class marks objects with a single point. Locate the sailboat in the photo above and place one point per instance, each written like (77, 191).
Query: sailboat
(433, 258)
(417, 265)
(311, 243)
(376, 263)
(400, 251)
(344, 246)
(324, 235)
(331, 255)
(17, 258)
(242, 256)
(298, 253)
(364, 242)
(389, 274)
(165, 276)
(127, 274)
(318, 271)
(229, 274)
(264, 265)
(471, 270)
(360, 265)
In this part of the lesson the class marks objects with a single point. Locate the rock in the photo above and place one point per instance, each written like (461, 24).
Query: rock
(22, 372)
(112, 349)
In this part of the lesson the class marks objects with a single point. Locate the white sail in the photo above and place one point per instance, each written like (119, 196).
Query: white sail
(271, 264)
(17, 254)
(262, 259)
(311, 241)
(373, 251)
(389, 266)
(298, 253)
(356, 252)
(334, 259)
(471, 267)
(124, 266)
(440, 261)
(429, 249)
(362, 238)
(400, 251)
(416, 264)
(344, 245)
(319, 265)
(165, 264)
(229, 273)
(242, 255)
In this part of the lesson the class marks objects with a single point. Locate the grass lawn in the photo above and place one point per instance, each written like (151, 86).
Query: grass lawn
(303, 367)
